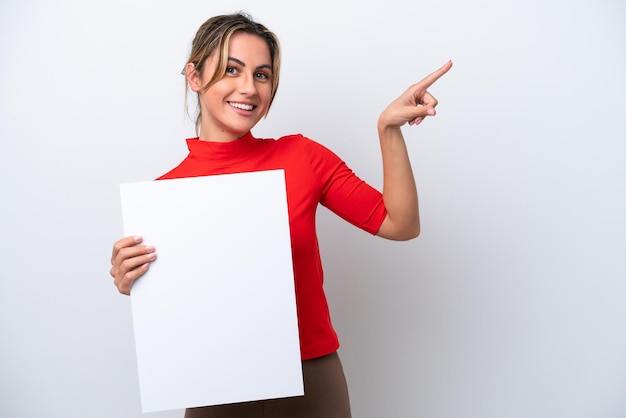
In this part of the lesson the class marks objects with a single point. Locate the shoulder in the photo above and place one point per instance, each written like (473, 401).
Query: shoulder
(303, 144)
(290, 139)
(302, 154)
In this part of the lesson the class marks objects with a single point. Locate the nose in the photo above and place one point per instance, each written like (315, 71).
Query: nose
(247, 84)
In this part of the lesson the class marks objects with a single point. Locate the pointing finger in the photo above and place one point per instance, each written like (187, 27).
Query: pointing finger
(430, 79)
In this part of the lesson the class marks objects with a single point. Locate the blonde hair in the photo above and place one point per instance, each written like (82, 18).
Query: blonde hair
(213, 37)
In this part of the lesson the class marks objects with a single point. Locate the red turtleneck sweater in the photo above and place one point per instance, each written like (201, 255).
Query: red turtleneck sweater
(313, 175)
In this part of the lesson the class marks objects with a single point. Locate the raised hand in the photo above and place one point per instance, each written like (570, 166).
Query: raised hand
(415, 104)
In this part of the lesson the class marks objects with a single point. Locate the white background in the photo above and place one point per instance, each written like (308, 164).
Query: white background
(510, 304)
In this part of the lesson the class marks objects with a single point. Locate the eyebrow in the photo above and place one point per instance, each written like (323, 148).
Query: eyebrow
(243, 64)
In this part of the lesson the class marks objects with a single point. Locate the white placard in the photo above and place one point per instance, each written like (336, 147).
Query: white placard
(214, 317)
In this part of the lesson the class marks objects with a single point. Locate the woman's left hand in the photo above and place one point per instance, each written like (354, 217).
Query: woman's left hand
(415, 104)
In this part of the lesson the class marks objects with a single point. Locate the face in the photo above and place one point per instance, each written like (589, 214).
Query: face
(234, 104)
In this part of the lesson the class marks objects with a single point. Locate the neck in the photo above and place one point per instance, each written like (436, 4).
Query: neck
(221, 136)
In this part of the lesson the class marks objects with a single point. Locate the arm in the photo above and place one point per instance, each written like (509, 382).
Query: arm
(399, 191)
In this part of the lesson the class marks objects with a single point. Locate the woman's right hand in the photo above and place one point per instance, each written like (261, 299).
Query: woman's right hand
(130, 261)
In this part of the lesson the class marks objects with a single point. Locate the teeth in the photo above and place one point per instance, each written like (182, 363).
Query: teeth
(242, 106)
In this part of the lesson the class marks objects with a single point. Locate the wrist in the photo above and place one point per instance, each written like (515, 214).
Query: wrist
(385, 130)
(383, 123)
(388, 123)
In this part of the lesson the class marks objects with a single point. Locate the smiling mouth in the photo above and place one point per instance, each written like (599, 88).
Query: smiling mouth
(242, 106)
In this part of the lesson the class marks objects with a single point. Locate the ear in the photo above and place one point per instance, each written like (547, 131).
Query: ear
(193, 77)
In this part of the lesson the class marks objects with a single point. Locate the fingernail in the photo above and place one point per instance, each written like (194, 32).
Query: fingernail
(137, 238)
(431, 112)
(149, 248)
(151, 256)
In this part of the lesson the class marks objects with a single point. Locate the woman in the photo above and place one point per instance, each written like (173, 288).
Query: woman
(234, 69)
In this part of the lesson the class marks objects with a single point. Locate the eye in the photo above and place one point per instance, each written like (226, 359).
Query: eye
(230, 70)
(263, 76)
